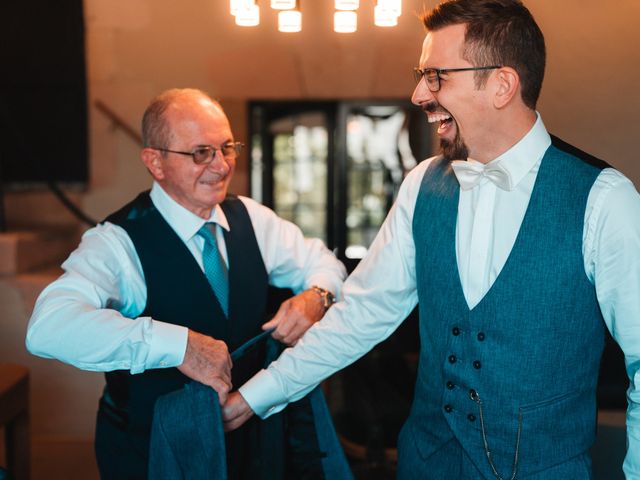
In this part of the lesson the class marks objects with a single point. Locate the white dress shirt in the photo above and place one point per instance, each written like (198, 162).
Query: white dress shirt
(89, 317)
(381, 292)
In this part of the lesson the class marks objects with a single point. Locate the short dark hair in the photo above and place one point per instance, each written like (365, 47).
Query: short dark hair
(499, 32)
(156, 131)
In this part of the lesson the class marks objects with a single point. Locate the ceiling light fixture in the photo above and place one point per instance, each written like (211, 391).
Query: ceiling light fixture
(345, 16)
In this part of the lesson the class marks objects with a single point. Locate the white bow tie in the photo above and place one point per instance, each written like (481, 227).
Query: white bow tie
(469, 174)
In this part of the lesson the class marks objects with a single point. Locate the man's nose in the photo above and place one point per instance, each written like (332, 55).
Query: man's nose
(219, 163)
(422, 94)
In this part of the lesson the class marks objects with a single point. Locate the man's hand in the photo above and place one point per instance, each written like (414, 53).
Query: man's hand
(295, 316)
(207, 360)
(235, 412)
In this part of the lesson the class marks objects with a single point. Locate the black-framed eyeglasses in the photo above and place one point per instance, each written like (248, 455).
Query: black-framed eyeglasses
(432, 75)
(205, 154)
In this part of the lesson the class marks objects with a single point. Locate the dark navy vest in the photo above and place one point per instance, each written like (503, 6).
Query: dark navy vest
(530, 349)
(178, 292)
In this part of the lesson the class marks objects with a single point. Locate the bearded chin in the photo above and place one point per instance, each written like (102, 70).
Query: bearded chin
(454, 150)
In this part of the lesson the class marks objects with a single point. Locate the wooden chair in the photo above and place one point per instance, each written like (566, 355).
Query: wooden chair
(14, 418)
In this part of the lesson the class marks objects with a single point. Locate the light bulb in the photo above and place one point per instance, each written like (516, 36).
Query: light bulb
(395, 5)
(345, 22)
(248, 16)
(235, 5)
(384, 17)
(289, 21)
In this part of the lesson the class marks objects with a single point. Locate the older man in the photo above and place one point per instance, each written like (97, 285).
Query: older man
(520, 250)
(162, 290)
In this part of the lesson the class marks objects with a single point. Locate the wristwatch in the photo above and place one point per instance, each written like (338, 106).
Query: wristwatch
(327, 297)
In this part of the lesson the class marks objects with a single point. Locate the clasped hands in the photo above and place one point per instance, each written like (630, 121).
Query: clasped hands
(207, 360)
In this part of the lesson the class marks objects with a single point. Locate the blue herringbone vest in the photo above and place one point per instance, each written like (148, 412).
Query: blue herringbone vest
(530, 349)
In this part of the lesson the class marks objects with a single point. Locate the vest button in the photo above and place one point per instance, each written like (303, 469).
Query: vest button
(452, 359)
(448, 408)
(477, 365)
(471, 417)
(473, 395)
(455, 331)
(450, 385)
(481, 337)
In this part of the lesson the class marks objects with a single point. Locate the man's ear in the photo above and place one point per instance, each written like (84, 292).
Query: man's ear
(152, 159)
(508, 86)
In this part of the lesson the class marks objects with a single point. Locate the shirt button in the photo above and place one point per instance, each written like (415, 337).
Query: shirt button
(455, 331)
(450, 385)
(477, 365)
(452, 359)
(162, 364)
(481, 337)
(448, 408)
(471, 417)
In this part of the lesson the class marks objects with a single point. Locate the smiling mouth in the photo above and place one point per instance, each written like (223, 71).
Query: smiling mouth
(213, 181)
(438, 117)
(445, 120)
(435, 113)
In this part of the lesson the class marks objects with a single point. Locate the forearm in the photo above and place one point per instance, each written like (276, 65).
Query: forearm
(348, 330)
(378, 296)
(89, 316)
(70, 328)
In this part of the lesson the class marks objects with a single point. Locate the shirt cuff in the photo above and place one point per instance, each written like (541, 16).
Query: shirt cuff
(168, 345)
(631, 465)
(263, 394)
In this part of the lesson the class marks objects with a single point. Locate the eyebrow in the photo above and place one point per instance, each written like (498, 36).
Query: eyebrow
(201, 145)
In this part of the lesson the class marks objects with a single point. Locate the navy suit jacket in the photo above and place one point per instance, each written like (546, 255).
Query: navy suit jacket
(187, 438)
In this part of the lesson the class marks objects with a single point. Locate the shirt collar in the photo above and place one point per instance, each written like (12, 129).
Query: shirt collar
(185, 223)
(527, 153)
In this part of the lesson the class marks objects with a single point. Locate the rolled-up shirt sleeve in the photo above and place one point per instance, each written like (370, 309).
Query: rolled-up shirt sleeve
(89, 316)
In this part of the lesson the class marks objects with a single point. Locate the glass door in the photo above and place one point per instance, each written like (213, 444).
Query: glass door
(334, 167)
(382, 141)
(292, 158)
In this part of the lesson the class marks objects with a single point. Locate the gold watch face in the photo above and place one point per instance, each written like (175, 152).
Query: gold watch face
(327, 297)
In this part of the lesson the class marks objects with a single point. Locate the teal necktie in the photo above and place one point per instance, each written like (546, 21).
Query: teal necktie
(214, 266)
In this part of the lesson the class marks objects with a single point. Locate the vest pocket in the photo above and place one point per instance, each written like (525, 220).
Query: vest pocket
(555, 430)
(531, 407)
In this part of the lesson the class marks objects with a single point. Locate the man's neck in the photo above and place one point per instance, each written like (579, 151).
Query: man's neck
(504, 134)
